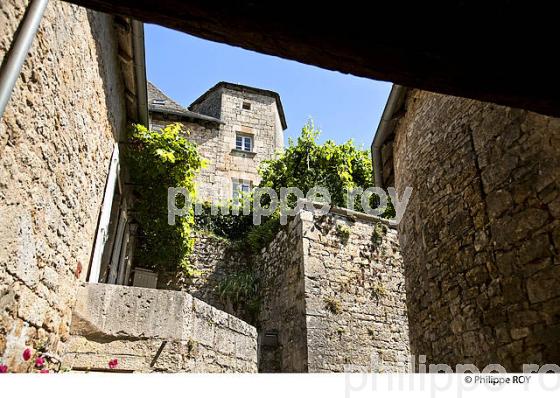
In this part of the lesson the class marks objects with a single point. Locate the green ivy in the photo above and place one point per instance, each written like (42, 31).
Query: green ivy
(158, 160)
(343, 233)
(228, 225)
(261, 235)
(305, 164)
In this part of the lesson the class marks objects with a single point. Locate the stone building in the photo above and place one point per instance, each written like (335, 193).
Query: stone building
(76, 93)
(479, 242)
(67, 234)
(480, 238)
(235, 128)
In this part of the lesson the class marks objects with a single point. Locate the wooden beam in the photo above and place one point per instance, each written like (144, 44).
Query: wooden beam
(500, 51)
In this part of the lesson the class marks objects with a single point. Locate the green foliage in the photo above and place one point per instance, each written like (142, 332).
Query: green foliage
(343, 233)
(261, 235)
(229, 225)
(159, 160)
(339, 168)
(379, 231)
(241, 288)
(306, 164)
(239, 229)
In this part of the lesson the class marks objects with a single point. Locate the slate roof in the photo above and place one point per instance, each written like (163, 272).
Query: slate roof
(159, 102)
(249, 89)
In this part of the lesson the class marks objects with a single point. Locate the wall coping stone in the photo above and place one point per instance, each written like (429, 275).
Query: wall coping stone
(350, 213)
(105, 311)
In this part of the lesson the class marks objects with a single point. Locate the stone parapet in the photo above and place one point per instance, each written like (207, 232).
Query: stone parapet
(149, 330)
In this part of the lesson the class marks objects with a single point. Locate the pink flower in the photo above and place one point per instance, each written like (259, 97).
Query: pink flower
(3, 368)
(40, 362)
(44, 371)
(27, 354)
(113, 363)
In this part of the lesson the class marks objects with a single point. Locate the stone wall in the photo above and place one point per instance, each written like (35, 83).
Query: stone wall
(260, 122)
(333, 292)
(149, 330)
(481, 234)
(282, 324)
(213, 258)
(354, 294)
(209, 142)
(56, 139)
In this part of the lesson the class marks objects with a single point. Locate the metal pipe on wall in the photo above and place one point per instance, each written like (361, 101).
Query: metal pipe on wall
(14, 59)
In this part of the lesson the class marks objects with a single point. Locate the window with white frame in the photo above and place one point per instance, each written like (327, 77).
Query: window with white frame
(244, 143)
(240, 187)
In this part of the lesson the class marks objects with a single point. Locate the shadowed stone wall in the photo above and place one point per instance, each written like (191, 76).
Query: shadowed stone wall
(214, 258)
(56, 139)
(282, 323)
(481, 235)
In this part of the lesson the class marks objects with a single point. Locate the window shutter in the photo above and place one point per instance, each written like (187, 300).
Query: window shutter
(235, 189)
(118, 247)
(104, 217)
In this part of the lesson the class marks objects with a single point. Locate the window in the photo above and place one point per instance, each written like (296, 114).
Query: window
(247, 106)
(243, 143)
(240, 186)
(158, 102)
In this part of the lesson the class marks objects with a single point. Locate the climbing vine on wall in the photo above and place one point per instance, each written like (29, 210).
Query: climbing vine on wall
(158, 160)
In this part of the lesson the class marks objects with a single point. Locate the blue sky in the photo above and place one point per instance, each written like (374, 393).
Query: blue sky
(341, 106)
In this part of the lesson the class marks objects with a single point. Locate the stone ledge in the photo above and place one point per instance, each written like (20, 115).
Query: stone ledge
(132, 323)
(351, 213)
(121, 312)
(242, 153)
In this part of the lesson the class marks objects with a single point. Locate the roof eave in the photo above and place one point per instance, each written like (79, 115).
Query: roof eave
(186, 115)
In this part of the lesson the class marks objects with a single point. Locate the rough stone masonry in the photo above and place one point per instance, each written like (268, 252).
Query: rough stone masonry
(331, 290)
(151, 330)
(481, 235)
(56, 138)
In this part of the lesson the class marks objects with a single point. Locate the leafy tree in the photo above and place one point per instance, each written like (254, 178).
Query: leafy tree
(306, 164)
(159, 160)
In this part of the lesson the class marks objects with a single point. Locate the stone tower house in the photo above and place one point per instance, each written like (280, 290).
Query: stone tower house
(235, 127)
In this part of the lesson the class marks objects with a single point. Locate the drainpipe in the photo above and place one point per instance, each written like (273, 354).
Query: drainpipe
(384, 130)
(140, 71)
(14, 59)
